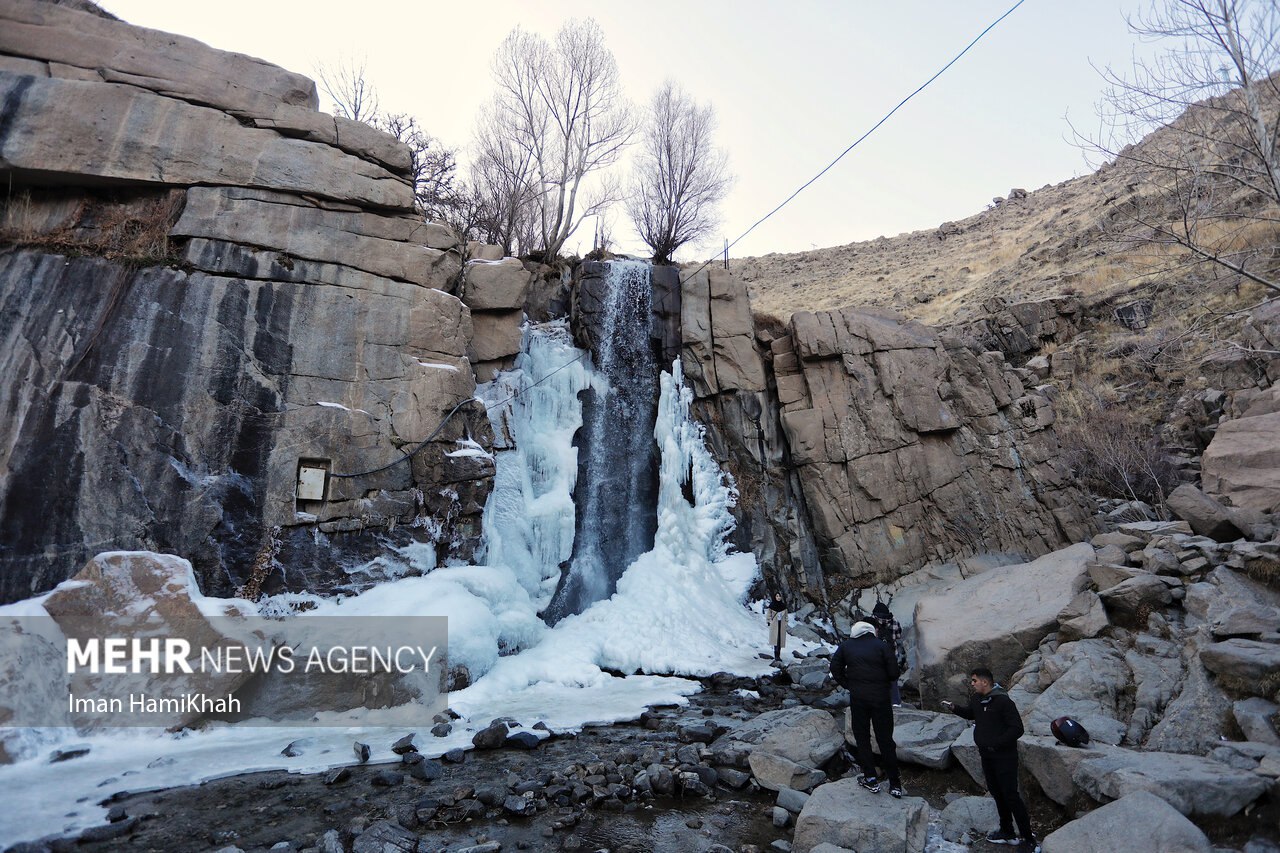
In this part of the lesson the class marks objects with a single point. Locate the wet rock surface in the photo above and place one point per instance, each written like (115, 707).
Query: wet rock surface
(636, 786)
(628, 787)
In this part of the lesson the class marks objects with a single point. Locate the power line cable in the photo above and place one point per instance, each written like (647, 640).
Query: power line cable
(417, 449)
(422, 444)
(859, 140)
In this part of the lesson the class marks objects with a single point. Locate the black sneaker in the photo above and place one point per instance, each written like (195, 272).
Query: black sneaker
(896, 792)
(1003, 836)
(870, 784)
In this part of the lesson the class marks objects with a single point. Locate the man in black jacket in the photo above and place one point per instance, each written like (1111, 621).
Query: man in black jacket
(997, 727)
(865, 666)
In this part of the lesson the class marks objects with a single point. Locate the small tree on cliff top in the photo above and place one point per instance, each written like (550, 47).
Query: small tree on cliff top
(433, 166)
(349, 89)
(561, 104)
(679, 176)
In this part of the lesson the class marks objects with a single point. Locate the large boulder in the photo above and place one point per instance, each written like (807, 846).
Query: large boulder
(774, 772)
(1137, 821)
(1053, 764)
(1260, 758)
(1195, 786)
(1106, 575)
(792, 747)
(1247, 665)
(1083, 617)
(85, 130)
(497, 335)
(1087, 680)
(923, 737)
(1224, 590)
(1206, 516)
(1136, 596)
(1247, 621)
(1194, 722)
(974, 816)
(499, 285)
(803, 735)
(957, 629)
(845, 814)
(1243, 462)
(1158, 673)
(149, 597)
(1257, 718)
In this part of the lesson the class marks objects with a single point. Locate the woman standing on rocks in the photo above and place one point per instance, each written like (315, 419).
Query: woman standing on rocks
(777, 615)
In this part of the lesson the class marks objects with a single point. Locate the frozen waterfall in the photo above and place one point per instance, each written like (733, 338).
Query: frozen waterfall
(616, 493)
(529, 518)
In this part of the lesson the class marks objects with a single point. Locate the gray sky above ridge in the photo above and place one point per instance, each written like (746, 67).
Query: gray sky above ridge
(793, 85)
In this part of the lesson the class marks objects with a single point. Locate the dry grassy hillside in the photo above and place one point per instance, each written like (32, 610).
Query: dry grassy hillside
(1067, 238)
(1041, 243)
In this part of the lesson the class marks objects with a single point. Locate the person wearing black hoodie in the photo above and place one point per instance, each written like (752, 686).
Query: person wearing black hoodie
(865, 666)
(997, 727)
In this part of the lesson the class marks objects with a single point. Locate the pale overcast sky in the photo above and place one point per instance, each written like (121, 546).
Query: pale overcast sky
(793, 85)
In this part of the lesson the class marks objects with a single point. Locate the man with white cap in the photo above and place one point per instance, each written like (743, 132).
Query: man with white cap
(865, 666)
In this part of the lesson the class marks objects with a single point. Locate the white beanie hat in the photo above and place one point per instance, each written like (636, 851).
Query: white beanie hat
(861, 628)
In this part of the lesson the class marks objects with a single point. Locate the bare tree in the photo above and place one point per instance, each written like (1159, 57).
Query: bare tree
(434, 166)
(557, 119)
(349, 89)
(679, 176)
(1208, 187)
(505, 181)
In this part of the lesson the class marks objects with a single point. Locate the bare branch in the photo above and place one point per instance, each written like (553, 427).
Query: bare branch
(352, 94)
(1208, 183)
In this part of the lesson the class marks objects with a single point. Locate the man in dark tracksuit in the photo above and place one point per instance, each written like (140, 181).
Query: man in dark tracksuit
(865, 666)
(997, 727)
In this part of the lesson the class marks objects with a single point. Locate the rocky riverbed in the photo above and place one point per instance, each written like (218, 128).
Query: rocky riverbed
(648, 785)
(677, 779)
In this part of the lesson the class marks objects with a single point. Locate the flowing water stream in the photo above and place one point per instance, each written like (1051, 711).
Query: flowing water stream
(616, 489)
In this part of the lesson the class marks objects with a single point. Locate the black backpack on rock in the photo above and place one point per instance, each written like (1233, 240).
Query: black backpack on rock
(1069, 732)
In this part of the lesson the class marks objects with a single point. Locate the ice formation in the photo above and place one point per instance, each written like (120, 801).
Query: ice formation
(677, 611)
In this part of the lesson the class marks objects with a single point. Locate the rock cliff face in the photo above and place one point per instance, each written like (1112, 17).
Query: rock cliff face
(866, 446)
(206, 287)
(1019, 329)
(227, 335)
